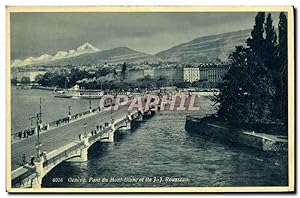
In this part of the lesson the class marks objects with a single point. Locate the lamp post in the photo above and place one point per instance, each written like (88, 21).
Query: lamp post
(38, 119)
(90, 102)
(84, 126)
(41, 110)
(69, 107)
(66, 80)
(38, 145)
(111, 112)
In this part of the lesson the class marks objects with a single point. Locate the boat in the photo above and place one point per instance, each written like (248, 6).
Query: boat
(62, 94)
(77, 93)
(89, 94)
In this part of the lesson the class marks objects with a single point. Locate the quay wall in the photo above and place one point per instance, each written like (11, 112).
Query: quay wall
(213, 129)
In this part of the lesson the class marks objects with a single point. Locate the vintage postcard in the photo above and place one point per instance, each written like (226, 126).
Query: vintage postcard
(150, 99)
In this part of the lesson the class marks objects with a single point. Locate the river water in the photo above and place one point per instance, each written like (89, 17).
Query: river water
(159, 152)
(25, 103)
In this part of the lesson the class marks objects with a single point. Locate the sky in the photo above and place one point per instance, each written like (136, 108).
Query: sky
(34, 34)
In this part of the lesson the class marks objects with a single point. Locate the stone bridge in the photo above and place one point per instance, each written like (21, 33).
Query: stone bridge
(30, 176)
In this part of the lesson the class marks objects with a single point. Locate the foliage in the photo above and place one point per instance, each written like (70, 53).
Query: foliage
(246, 92)
(249, 92)
(118, 83)
(38, 78)
(69, 78)
(257, 42)
(25, 80)
(283, 63)
(271, 62)
(14, 81)
(124, 69)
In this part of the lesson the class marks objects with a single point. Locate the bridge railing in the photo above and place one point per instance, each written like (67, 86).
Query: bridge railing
(32, 130)
(97, 135)
(24, 175)
(63, 155)
(23, 178)
(107, 129)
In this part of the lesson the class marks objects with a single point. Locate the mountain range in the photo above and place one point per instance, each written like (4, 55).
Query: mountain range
(202, 49)
(112, 56)
(86, 48)
(207, 48)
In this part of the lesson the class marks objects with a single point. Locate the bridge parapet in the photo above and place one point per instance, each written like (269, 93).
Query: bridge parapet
(31, 176)
(27, 176)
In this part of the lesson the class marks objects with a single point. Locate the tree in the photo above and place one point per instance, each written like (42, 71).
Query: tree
(257, 41)
(283, 63)
(14, 81)
(270, 45)
(180, 84)
(282, 47)
(25, 80)
(245, 94)
(247, 91)
(162, 81)
(124, 69)
(38, 78)
(271, 62)
(102, 72)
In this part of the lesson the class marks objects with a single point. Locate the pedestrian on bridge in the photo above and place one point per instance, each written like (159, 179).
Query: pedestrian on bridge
(57, 122)
(32, 159)
(20, 135)
(27, 133)
(32, 131)
(44, 154)
(24, 159)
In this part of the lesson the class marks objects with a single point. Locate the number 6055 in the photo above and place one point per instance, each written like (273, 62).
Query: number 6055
(57, 179)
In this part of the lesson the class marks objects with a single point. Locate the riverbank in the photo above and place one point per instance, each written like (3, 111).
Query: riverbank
(264, 141)
(33, 86)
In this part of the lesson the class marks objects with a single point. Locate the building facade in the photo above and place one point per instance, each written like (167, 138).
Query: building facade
(149, 72)
(172, 74)
(191, 74)
(213, 72)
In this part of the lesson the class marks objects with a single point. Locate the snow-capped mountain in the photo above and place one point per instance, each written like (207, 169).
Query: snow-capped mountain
(60, 55)
(45, 58)
(87, 48)
(111, 56)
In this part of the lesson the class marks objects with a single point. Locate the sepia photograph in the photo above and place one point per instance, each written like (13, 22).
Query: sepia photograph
(150, 99)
